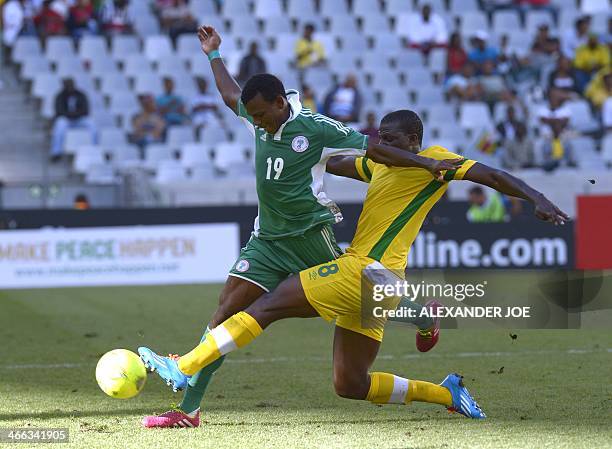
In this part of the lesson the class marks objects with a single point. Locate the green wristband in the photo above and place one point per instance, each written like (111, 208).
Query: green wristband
(214, 55)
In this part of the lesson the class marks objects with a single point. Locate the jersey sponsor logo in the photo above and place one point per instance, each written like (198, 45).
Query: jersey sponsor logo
(242, 266)
(263, 137)
(300, 144)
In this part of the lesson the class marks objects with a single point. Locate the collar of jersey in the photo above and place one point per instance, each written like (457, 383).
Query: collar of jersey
(295, 107)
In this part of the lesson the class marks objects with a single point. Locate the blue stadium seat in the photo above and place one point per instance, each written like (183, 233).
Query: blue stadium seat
(374, 24)
(235, 8)
(365, 8)
(506, 22)
(268, 8)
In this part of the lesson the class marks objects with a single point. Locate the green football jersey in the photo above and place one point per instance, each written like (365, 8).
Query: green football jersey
(289, 169)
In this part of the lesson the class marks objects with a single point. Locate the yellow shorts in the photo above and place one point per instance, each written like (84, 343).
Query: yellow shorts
(336, 290)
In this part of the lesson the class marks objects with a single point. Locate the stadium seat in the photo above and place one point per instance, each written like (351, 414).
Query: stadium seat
(595, 6)
(388, 43)
(328, 41)
(426, 95)
(384, 79)
(319, 79)
(26, 47)
(463, 6)
(473, 21)
(373, 25)
(156, 152)
(125, 103)
(227, 153)
(179, 135)
(187, 45)
(396, 7)
(274, 25)
(437, 61)
(66, 67)
(419, 78)
(301, 8)
(440, 115)
(599, 23)
(408, 59)
(194, 154)
(333, 8)
(113, 82)
(343, 25)
(243, 136)
(395, 95)
(124, 46)
(92, 47)
(365, 8)
(169, 170)
(235, 8)
(506, 22)
(202, 172)
(168, 65)
(102, 67)
(581, 117)
(148, 83)
(567, 18)
(103, 119)
(111, 138)
(240, 170)
(124, 156)
(355, 43)
(374, 59)
(157, 47)
(438, 6)
(244, 27)
(475, 115)
(32, 66)
(45, 84)
(146, 25)
(86, 157)
(59, 47)
(536, 18)
(201, 8)
(284, 44)
(212, 135)
(268, 8)
(76, 138)
(100, 174)
(135, 65)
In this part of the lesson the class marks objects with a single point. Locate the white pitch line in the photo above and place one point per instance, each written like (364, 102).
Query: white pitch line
(328, 359)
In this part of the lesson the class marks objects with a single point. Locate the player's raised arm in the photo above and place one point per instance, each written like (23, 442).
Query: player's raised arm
(226, 84)
(510, 185)
(388, 155)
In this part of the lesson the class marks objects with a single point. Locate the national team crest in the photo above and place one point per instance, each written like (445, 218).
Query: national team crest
(300, 144)
(242, 266)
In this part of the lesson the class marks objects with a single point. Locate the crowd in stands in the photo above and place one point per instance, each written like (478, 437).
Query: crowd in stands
(559, 67)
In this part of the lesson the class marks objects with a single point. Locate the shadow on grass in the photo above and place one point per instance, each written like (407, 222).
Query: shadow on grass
(75, 414)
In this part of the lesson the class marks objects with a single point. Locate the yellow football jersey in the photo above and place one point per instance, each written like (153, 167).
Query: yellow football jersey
(396, 204)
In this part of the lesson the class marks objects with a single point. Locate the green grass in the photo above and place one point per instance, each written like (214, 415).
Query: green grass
(278, 392)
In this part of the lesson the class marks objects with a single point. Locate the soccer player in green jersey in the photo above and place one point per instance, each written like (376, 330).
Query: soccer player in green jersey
(293, 229)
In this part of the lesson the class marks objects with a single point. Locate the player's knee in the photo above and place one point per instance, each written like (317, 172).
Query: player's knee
(350, 386)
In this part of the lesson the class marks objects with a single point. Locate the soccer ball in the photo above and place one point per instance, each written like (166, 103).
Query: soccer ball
(121, 374)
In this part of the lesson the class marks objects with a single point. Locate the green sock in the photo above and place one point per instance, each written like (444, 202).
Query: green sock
(199, 383)
(422, 322)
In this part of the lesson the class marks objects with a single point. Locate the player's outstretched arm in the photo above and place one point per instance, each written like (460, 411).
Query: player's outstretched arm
(396, 157)
(343, 166)
(226, 84)
(510, 185)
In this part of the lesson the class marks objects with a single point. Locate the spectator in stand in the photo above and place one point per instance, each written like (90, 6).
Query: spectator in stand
(251, 64)
(71, 111)
(115, 17)
(427, 30)
(13, 19)
(81, 202)
(176, 19)
(600, 88)
(309, 100)
(370, 129)
(590, 58)
(493, 85)
(481, 51)
(554, 120)
(49, 21)
(309, 52)
(545, 44)
(517, 147)
(575, 37)
(148, 126)
(343, 102)
(204, 107)
(485, 209)
(464, 86)
(81, 19)
(456, 57)
(170, 105)
(563, 77)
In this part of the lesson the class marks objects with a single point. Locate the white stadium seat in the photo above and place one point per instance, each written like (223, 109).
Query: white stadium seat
(156, 152)
(169, 170)
(194, 154)
(157, 47)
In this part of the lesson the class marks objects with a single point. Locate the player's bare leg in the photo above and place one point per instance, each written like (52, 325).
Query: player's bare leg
(237, 295)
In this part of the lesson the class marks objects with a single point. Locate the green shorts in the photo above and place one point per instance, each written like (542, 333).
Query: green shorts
(266, 263)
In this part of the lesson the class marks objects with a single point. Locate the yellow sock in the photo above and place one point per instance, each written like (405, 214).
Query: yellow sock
(389, 389)
(235, 332)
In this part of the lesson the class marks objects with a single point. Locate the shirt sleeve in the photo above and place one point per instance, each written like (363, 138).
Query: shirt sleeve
(340, 140)
(365, 168)
(244, 116)
(440, 153)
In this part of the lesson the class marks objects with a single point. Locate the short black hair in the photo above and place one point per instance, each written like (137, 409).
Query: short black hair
(265, 84)
(406, 120)
(476, 190)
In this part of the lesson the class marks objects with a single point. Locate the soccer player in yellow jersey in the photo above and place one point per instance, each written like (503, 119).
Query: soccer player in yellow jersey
(396, 204)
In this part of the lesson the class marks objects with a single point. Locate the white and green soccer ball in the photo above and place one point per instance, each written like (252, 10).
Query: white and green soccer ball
(121, 374)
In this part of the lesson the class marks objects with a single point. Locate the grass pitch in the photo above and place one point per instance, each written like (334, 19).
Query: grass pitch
(554, 389)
